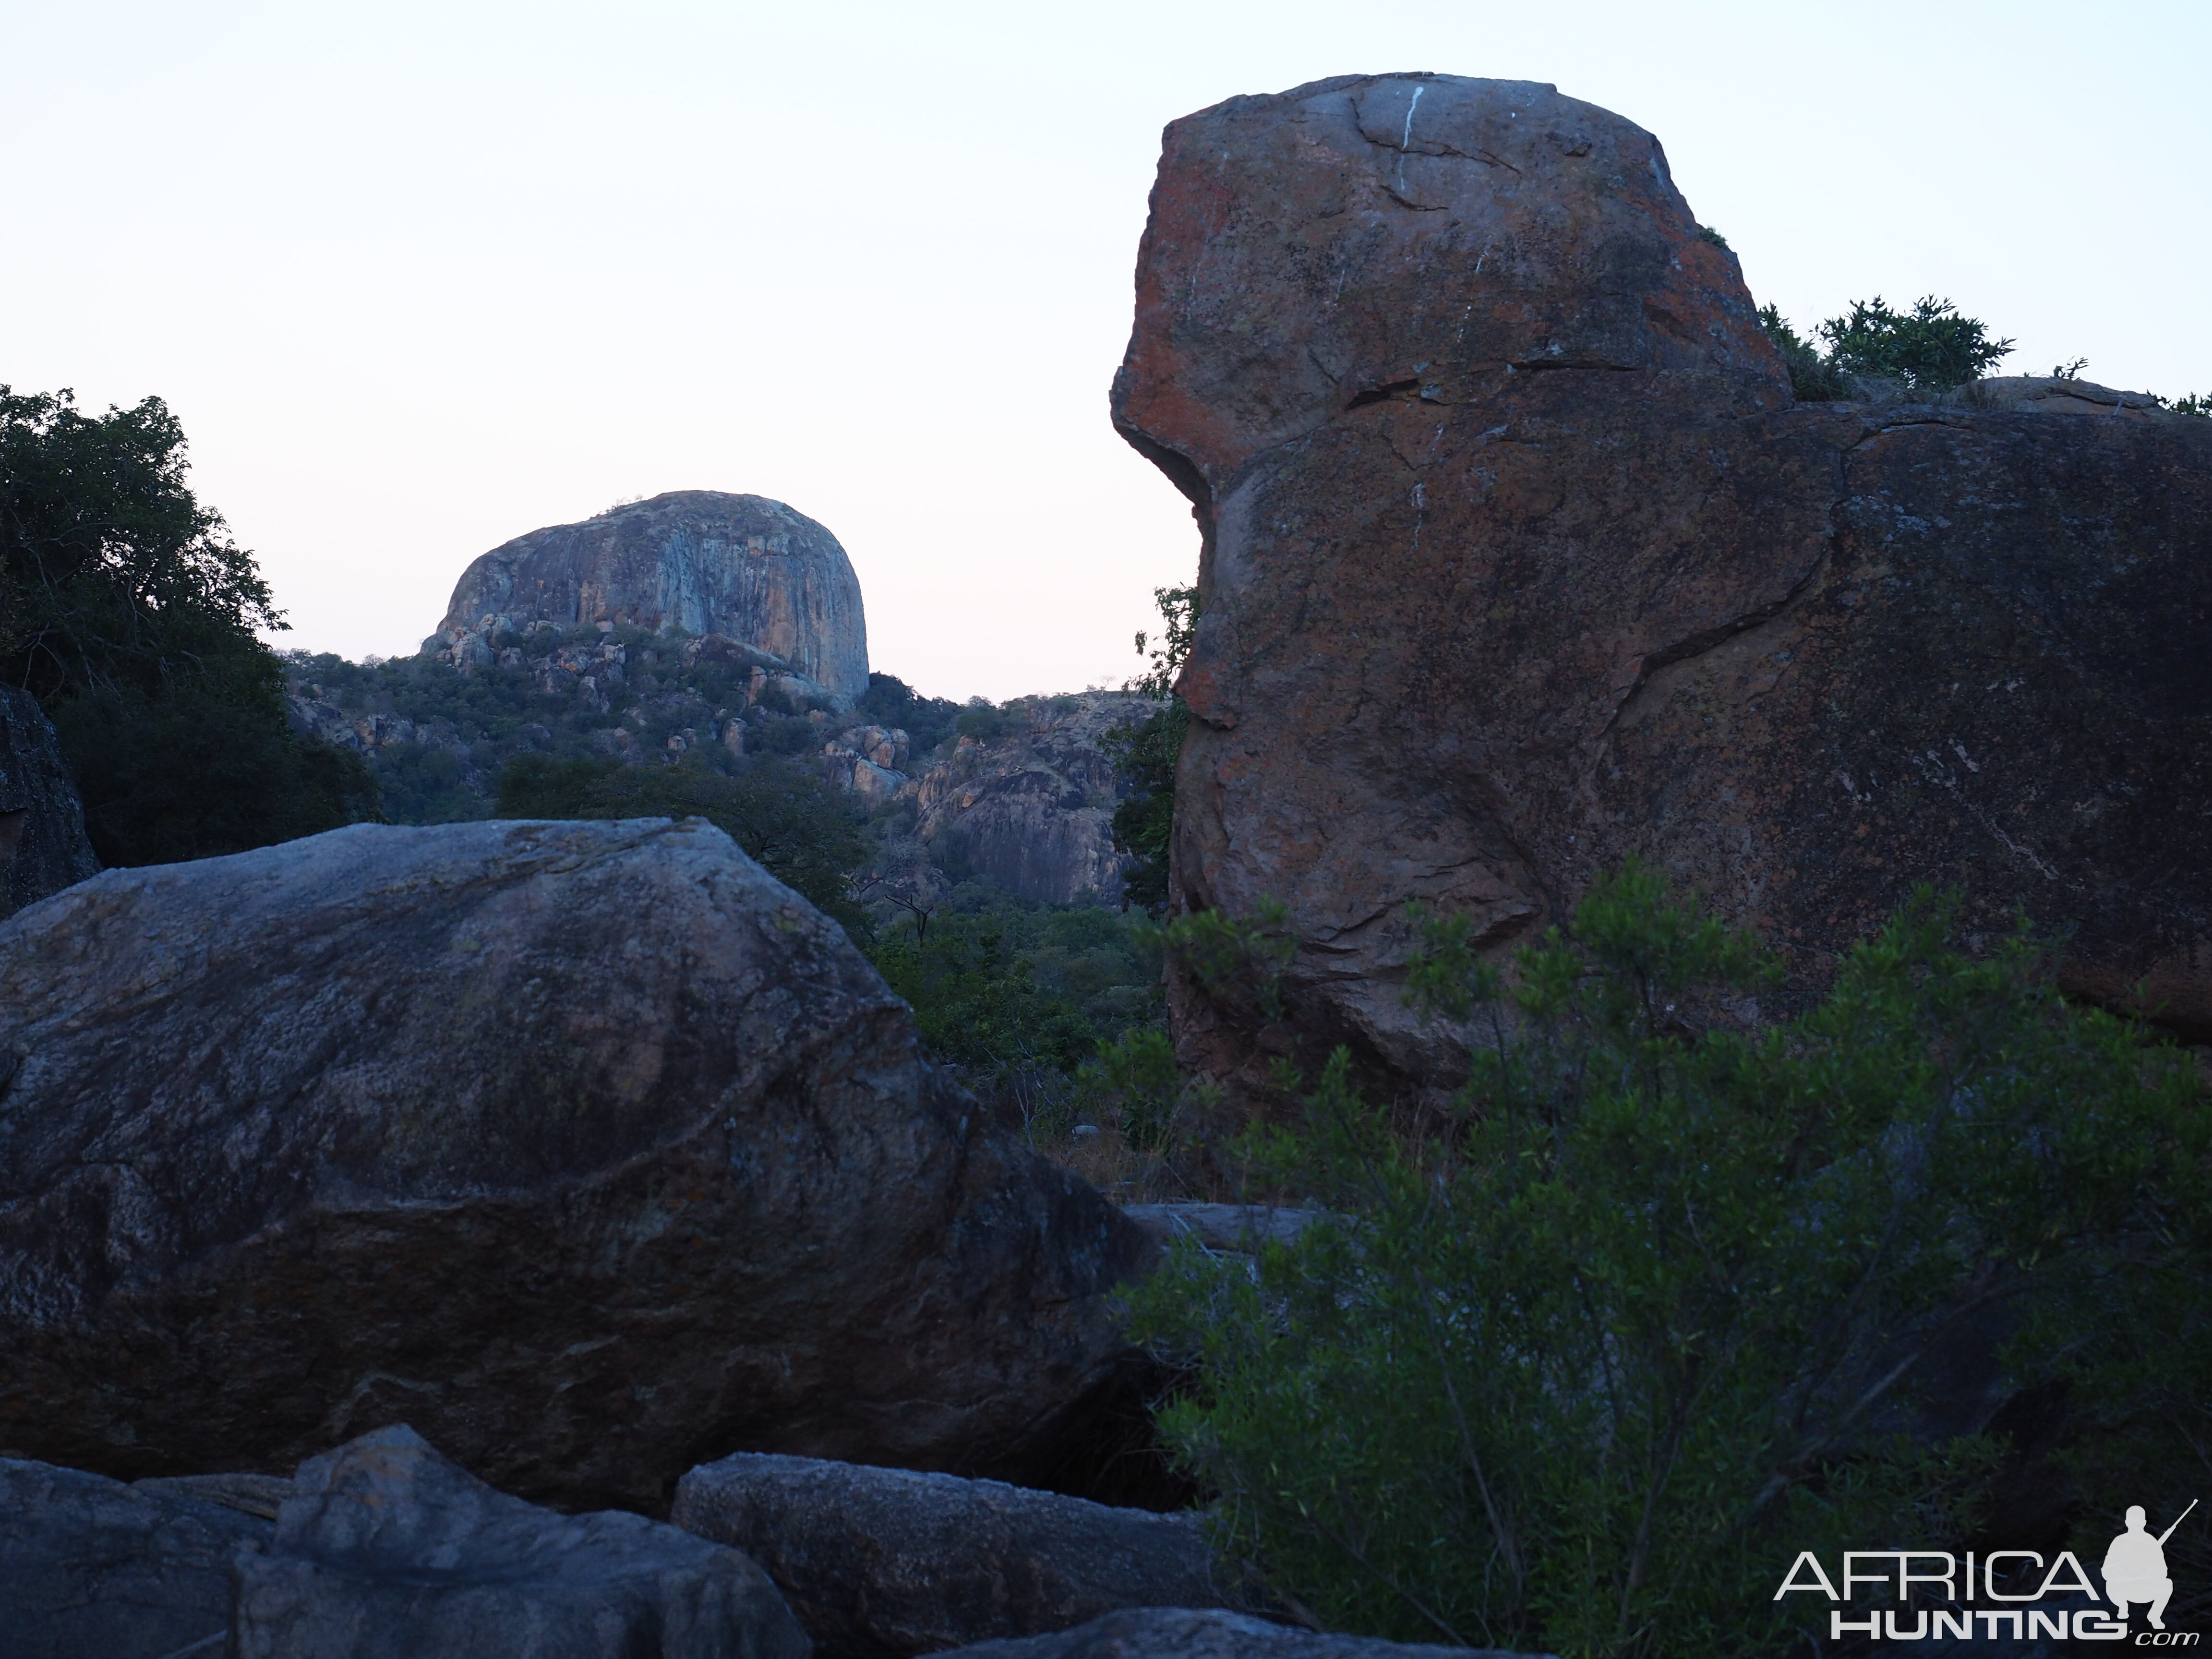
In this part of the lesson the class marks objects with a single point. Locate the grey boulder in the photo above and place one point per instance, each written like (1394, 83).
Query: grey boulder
(1184, 1633)
(885, 1562)
(91, 1567)
(387, 1551)
(589, 1149)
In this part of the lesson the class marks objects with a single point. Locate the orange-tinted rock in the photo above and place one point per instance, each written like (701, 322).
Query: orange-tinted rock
(1518, 559)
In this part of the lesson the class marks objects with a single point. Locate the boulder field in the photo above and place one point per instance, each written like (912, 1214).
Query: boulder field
(589, 1149)
(382, 1547)
(1519, 559)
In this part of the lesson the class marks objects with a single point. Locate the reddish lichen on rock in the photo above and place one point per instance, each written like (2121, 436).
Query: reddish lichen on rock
(1518, 559)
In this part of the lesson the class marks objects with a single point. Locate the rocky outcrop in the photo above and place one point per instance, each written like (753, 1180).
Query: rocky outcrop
(1033, 810)
(387, 1551)
(1181, 1633)
(43, 846)
(1519, 560)
(698, 560)
(586, 1148)
(90, 1566)
(882, 1564)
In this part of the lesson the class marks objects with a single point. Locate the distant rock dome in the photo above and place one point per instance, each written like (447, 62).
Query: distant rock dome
(698, 560)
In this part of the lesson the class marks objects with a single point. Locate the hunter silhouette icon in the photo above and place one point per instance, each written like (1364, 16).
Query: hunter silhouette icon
(2135, 1567)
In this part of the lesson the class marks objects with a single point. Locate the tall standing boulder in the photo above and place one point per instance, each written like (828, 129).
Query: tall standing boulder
(589, 1149)
(43, 846)
(1518, 559)
(699, 560)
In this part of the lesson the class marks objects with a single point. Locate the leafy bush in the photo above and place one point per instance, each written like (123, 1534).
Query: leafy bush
(1146, 753)
(889, 701)
(1019, 996)
(985, 721)
(1813, 378)
(128, 610)
(1930, 347)
(1586, 1371)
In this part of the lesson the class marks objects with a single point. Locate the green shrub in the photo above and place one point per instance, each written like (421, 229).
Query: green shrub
(1930, 347)
(1585, 1372)
(1133, 1082)
(1813, 378)
(1146, 754)
(984, 722)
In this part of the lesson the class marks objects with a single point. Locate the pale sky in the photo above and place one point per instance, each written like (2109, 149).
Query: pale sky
(418, 279)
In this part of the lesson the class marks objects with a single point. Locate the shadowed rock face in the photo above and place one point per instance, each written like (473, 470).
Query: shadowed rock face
(695, 559)
(1519, 560)
(387, 1551)
(43, 846)
(587, 1148)
(882, 1564)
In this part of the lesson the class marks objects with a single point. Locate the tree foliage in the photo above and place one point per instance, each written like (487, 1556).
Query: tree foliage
(1146, 753)
(1928, 349)
(128, 610)
(1585, 1370)
(1021, 996)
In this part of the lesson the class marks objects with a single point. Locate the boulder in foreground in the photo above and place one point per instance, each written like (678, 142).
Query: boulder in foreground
(387, 1551)
(881, 1563)
(90, 1566)
(589, 1149)
(1182, 1633)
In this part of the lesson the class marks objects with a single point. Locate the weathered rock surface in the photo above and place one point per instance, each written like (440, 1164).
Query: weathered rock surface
(1033, 811)
(587, 1148)
(1179, 1633)
(91, 1567)
(1518, 559)
(879, 1562)
(1241, 1228)
(43, 846)
(742, 566)
(387, 1551)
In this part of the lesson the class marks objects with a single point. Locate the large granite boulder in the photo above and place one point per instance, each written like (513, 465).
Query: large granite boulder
(387, 1551)
(699, 560)
(589, 1149)
(43, 847)
(89, 1566)
(1518, 559)
(883, 1564)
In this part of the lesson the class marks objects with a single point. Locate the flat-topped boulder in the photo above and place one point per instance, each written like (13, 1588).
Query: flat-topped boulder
(698, 560)
(589, 1149)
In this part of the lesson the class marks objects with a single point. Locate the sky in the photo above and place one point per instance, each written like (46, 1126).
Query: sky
(419, 279)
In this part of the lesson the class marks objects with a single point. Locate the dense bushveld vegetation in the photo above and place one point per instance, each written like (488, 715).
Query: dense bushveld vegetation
(1581, 1365)
(129, 612)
